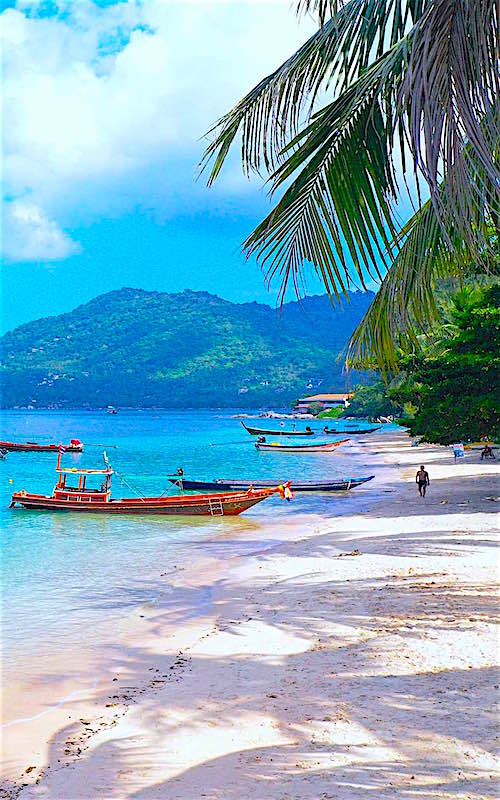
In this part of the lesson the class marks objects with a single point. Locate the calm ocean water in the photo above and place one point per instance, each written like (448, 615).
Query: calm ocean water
(63, 575)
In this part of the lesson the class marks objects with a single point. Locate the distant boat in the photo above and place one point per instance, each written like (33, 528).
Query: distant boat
(276, 447)
(66, 496)
(351, 431)
(75, 446)
(386, 420)
(228, 485)
(111, 410)
(283, 432)
(3, 452)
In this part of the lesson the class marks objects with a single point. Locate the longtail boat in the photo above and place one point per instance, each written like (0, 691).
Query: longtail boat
(277, 447)
(351, 431)
(221, 484)
(282, 432)
(67, 496)
(75, 446)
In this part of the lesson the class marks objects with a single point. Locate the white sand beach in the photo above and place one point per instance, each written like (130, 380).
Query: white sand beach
(355, 659)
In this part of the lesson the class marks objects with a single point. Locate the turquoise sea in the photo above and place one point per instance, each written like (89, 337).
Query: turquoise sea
(65, 575)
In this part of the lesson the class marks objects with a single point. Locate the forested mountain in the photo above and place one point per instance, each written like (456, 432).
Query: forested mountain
(141, 349)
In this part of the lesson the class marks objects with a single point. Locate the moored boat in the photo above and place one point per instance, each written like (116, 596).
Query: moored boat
(226, 484)
(351, 431)
(67, 496)
(277, 447)
(265, 432)
(75, 446)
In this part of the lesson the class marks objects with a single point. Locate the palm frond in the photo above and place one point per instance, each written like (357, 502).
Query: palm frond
(405, 305)
(418, 75)
(340, 201)
(318, 8)
(272, 112)
(450, 104)
(405, 299)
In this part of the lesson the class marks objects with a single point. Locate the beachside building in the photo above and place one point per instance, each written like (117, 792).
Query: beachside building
(327, 401)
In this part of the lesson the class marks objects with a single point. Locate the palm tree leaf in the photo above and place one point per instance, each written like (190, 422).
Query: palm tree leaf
(405, 304)
(319, 8)
(339, 201)
(449, 99)
(271, 113)
(418, 74)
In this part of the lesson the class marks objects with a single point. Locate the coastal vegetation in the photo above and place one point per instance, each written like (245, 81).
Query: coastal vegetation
(449, 381)
(446, 386)
(371, 402)
(190, 350)
(385, 98)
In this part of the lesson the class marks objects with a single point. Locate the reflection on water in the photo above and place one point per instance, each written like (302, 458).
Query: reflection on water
(64, 575)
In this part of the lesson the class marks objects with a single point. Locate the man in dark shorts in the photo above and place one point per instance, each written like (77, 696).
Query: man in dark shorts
(422, 479)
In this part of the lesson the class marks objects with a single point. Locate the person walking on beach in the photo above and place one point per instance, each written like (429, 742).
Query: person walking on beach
(422, 479)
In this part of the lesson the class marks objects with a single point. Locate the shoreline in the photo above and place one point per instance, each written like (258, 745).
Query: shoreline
(240, 641)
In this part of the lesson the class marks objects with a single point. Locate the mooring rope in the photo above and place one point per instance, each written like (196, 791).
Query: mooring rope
(134, 488)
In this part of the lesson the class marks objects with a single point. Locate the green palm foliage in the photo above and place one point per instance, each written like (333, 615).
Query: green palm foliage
(386, 94)
(452, 383)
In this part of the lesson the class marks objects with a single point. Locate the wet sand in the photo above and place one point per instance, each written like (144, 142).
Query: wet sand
(355, 658)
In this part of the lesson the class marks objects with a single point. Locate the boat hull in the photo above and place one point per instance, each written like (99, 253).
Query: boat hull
(218, 505)
(31, 447)
(298, 486)
(329, 447)
(264, 432)
(358, 432)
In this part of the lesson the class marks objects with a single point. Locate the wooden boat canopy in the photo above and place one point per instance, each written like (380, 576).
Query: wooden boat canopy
(76, 471)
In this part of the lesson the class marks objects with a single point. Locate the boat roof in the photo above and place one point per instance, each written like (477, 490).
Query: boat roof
(75, 471)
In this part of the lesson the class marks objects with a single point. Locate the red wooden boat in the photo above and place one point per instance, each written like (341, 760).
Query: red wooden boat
(75, 446)
(67, 497)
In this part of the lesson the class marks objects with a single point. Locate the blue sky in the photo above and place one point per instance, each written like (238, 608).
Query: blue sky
(105, 104)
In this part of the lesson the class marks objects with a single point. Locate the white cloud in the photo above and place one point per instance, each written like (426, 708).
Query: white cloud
(96, 96)
(28, 235)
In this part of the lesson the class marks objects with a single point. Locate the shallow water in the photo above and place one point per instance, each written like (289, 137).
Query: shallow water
(66, 578)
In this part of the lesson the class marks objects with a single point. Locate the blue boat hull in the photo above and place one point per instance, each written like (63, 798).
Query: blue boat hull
(297, 486)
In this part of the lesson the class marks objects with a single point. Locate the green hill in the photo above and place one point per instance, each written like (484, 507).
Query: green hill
(141, 349)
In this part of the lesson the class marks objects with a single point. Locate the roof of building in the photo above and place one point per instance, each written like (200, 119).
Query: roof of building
(325, 397)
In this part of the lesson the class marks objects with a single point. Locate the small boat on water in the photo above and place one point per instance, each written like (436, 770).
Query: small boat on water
(72, 494)
(277, 447)
(265, 432)
(351, 431)
(226, 484)
(75, 446)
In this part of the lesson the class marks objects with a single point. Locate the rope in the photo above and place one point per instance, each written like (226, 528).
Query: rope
(134, 489)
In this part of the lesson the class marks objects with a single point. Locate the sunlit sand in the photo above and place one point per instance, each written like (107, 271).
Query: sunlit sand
(357, 662)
